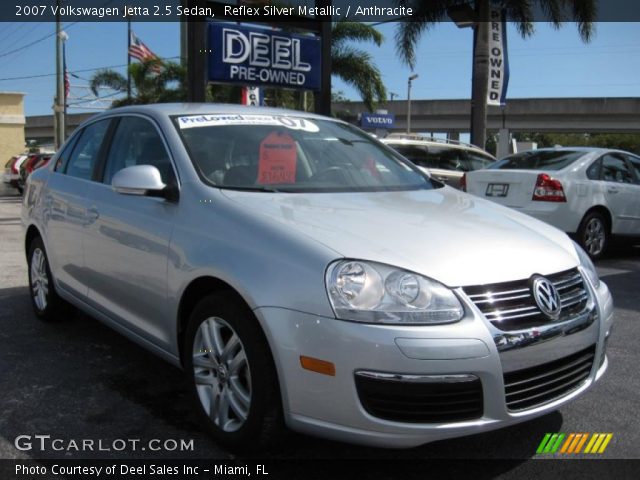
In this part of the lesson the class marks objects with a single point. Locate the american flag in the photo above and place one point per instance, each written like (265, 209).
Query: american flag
(139, 50)
(67, 85)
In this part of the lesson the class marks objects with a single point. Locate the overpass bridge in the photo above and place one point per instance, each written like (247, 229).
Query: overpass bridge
(575, 115)
(571, 115)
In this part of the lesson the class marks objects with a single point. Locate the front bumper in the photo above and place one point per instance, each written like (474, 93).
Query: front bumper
(329, 406)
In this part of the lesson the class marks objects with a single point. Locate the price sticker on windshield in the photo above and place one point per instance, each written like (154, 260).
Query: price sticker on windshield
(277, 163)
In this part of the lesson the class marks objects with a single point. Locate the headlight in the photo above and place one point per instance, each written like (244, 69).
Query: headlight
(376, 293)
(587, 266)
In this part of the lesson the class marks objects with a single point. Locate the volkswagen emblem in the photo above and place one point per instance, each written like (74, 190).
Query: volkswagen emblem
(546, 297)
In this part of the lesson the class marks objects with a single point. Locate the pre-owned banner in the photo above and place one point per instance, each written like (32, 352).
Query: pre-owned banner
(498, 58)
(260, 56)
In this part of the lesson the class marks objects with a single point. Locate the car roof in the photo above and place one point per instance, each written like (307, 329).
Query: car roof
(170, 109)
(433, 143)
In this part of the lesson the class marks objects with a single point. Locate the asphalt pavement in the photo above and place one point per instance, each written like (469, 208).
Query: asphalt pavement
(77, 379)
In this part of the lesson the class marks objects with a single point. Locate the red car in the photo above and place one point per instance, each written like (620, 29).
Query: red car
(33, 162)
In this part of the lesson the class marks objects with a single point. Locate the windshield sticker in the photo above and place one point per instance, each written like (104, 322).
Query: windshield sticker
(277, 163)
(294, 123)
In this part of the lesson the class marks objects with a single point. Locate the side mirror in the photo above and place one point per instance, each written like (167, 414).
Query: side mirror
(144, 180)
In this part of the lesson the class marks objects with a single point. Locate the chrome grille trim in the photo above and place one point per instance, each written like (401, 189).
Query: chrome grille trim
(536, 386)
(511, 306)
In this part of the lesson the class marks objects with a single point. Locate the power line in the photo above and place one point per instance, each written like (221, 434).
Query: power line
(35, 42)
(72, 72)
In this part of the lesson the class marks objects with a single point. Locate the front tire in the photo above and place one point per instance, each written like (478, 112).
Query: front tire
(593, 234)
(232, 375)
(46, 302)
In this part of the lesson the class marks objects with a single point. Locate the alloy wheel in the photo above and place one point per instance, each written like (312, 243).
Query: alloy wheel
(221, 374)
(594, 236)
(39, 279)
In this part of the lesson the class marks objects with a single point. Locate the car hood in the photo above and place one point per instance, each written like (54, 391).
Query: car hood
(447, 235)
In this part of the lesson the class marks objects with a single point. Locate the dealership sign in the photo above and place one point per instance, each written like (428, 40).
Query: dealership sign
(377, 120)
(498, 59)
(259, 56)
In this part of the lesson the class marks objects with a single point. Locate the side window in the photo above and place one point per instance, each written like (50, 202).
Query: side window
(85, 153)
(137, 142)
(615, 169)
(63, 158)
(417, 154)
(477, 161)
(635, 164)
(593, 172)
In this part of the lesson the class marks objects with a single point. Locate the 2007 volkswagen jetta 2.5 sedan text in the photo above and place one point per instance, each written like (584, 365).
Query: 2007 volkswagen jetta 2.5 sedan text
(305, 275)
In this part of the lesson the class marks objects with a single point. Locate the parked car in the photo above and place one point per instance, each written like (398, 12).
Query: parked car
(445, 160)
(12, 171)
(593, 193)
(33, 162)
(303, 274)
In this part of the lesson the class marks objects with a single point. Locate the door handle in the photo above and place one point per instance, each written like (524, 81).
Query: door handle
(612, 190)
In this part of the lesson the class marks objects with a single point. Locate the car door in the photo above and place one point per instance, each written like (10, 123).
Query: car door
(635, 213)
(127, 245)
(620, 192)
(65, 206)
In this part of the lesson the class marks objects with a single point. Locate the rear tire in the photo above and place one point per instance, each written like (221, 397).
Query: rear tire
(593, 234)
(46, 302)
(232, 375)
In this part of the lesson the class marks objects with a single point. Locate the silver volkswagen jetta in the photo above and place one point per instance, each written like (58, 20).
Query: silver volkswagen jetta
(304, 274)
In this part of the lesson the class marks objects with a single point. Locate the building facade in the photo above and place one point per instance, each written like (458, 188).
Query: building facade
(12, 123)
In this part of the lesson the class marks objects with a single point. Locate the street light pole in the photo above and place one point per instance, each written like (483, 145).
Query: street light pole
(411, 79)
(58, 107)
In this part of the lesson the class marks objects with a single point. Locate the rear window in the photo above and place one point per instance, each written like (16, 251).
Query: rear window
(538, 160)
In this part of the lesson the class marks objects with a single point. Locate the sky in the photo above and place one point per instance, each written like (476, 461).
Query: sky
(552, 63)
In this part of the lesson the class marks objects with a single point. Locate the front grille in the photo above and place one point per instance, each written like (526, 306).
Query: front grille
(511, 306)
(415, 402)
(544, 383)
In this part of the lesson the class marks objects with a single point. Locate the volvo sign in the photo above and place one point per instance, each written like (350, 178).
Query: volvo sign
(259, 56)
(377, 120)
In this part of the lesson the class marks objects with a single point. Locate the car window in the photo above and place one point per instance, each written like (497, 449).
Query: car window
(635, 164)
(63, 158)
(286, 153)
(538, 160)
(593, 172)
(85, 153)
(417, 154)
(615, 169)
(137, 142)
(477, 161)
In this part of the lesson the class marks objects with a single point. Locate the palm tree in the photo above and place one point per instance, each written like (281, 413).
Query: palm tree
(427, 13)
(354, 66)
(154, 81)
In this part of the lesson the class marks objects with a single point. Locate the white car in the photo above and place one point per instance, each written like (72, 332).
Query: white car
(591, 192)
(445, 160)
(12, 171)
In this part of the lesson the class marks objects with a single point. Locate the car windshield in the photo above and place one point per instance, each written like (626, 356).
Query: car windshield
(292, 154)
(538, 160)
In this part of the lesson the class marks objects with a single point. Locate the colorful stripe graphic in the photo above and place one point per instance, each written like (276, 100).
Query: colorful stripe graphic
(573, 443)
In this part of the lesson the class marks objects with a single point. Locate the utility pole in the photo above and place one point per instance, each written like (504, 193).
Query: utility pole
(411, 79)
(480, 74)
(128, 59)
(65, 77)
(58, 107)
